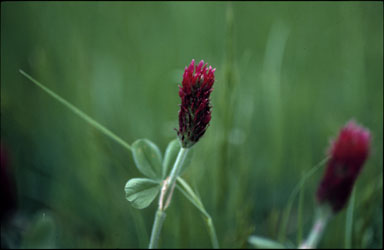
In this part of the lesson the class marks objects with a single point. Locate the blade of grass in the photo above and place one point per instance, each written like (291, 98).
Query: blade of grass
(295, 191)
(78, 112)
(140, 227)
(300, 217)
(227, 104)
(195, 200)
(349, 221)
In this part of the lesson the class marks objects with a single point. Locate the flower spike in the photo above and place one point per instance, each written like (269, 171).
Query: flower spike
(195, 108)
(347, 156)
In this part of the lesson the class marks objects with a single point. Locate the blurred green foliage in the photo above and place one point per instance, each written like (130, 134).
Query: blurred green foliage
(289, 75)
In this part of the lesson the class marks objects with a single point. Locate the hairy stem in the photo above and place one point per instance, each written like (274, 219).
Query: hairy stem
(157, 225)
(323, 214)
(177, 166)
(166, 196)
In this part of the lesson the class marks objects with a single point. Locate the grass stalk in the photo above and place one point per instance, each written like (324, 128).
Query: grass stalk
(78, 112)
(195, 200)
(349, 222)
(295, 192)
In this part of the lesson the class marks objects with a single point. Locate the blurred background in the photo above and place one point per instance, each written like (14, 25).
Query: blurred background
(289, 76)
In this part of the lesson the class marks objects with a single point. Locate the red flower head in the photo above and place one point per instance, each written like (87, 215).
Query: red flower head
(347, 156)
(195, 109)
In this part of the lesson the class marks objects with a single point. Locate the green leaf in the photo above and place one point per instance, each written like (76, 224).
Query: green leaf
(187, 191)
(147, 158)
(170, 156)
(141, 192)
(261, 242)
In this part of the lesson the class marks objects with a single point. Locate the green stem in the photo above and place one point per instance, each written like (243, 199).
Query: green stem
(177, 166)
(212, 233)
(157, 225)
(166, 196)
(323, 214)
(300, 217)
(349, 222)
(78, 112)
(292, 196)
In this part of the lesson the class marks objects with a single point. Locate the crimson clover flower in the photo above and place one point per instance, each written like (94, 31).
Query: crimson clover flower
(195, 108)
(347, 156)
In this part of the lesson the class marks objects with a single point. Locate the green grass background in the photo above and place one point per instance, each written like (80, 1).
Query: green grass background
(288, 77)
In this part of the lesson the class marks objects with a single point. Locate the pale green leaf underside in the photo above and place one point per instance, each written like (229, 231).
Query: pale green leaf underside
(261, 242)
(140, 192)
(147, 157)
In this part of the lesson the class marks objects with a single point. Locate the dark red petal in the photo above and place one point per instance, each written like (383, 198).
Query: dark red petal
(347, 156)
